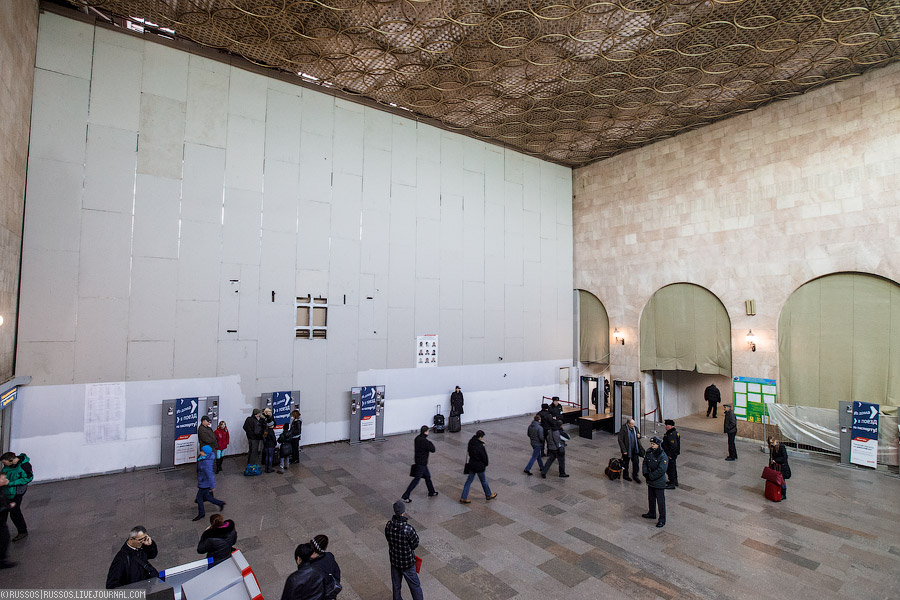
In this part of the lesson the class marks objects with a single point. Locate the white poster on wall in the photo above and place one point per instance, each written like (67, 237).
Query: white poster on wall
(104, 413)
(427, 350)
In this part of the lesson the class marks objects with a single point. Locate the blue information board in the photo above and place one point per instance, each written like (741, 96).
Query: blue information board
(187, 419)
(281, 407)
(864, 434)
(367, 401)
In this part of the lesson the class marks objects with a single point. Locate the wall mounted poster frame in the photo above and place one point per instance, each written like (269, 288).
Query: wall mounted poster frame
(427, 350)
(751, 395)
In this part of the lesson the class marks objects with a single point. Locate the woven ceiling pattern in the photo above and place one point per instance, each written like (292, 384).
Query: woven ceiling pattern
(567, 80)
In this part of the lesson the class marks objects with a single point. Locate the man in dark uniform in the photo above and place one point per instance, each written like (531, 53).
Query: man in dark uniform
(712, 397)
(555, 408)
(422, 447)
(671, 445)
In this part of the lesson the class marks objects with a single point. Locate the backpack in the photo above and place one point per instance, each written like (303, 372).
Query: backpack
(252, 470)
(613, 469)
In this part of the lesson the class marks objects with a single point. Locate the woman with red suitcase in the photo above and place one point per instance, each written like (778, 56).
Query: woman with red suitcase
(778, 460)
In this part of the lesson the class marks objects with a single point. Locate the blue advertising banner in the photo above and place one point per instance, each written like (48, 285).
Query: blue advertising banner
(8, 397)
(864, 434)
(187, 419)
(367, 396)
(281, 407)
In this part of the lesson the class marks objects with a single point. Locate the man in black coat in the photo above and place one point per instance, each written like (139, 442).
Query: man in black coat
(671, 445)
(205, 434)
(630, 446)
(655, 464)
(307, 582)
(456, 403)
(731, 431)
(132, 562)
(555, 408)
(712, 397)
(422, 447)
(253, 427)
(546, 421)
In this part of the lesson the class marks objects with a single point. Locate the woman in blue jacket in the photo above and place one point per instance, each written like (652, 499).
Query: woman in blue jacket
(206, 482)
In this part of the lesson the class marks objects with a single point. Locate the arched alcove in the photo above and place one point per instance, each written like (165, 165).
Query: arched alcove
(839, 339)
(593, 329)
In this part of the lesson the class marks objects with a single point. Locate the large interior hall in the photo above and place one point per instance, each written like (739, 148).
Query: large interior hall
(365, 217)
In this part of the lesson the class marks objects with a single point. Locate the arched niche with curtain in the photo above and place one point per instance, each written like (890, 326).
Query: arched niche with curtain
(839, 339)
(685, 327)
(593, 329)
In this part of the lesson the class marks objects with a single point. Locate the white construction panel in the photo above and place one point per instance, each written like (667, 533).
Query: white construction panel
(494, 170)
(378, 125)
(473, 198)
(247, 94)
(532, 288)
(165, 72)
(150, 360)
(157, 202)
(196, 325)
(372, 308)
(549, 297)
(473, 309)
(428, 144)
(241, 226)
(403, 144)
(401, 283)
(48, 363)
(428, 248)
(315, 166)
(279, 252)
(248, 298)
(473, 155)
(512, 312)
(514, 262)
(531, 236)
(64, 45)
(564, 202)
(343, 340)
(116, 86)
(494, 339)
(59, 114)
(230, 301)
(473, 254)
(401, 338)
(493, 293)
(314, 240)
(428, 305)
(337, 412)
(109, 169)
(151, 313)
(376, 178)
(428, 190)
(344, 274)
(200, 257)
(283, 126)
(513, 166)
(514, 349)
(310, 378)
(53, 205)
(349, 132)
(117, 38)
(451, 279)
(513, 206)
(281, 198)
(473, 351)
(451, 223)
(548, 216)
(346, 206)
(374, 257)
(238, 358)
(206, 119)
(105, 266)
(494, 223)
(161, 143)
(48, 287)
(451, 337)
(274, 351)
(100, 344)
(376, 226)
(314, 283)
(451, 165)
(197, 62)
(202, 183)
(548, 262)
(372, 354)
(318, 114)
(403, 215)
(534, 349)
(564, 247)
(244, 155)
(531, 186)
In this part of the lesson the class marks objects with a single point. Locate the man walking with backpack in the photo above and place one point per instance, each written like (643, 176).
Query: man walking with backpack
(19, 473)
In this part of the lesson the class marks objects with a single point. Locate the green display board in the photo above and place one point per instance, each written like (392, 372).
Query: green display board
(751, 395)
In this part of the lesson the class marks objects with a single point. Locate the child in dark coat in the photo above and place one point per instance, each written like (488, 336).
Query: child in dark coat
(206, 482)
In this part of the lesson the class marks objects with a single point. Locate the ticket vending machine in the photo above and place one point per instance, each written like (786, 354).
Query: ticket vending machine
(366, 414)
(205, 405)
(626, 402)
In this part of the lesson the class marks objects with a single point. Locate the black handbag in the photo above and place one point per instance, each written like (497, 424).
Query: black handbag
(412, 470)
(466, 468)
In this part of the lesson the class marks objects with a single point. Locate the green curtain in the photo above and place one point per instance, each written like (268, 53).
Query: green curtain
(839, 339)
(684, 327)
(593, 330)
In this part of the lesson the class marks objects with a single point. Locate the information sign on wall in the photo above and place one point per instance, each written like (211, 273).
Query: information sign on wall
(751, 395)
(427, 350)
(864, 434)
(187, 416)
(367, 397)
(281, 408)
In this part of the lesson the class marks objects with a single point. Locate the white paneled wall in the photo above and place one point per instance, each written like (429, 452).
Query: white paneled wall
(170, 195)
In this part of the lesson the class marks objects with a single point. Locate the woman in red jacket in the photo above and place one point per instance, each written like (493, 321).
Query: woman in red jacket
(222, 440)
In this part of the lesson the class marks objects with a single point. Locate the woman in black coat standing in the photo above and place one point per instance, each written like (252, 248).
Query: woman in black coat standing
(778, 460)
(324, 561)
(476, 464)
(218, 540)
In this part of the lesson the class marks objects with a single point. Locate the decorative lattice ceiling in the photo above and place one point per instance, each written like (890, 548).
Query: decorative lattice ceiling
(567, 80)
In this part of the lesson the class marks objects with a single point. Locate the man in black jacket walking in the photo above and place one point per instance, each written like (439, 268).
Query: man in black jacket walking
(422, 447)
(671, 445)
(712, 397)
(731, 431)
(132, 562)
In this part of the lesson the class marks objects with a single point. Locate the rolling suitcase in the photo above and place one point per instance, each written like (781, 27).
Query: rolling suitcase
(455, 424)
(438, 426)
(774, 481)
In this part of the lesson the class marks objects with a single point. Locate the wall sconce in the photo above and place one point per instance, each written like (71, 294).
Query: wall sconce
(751, 340)
(620, 339)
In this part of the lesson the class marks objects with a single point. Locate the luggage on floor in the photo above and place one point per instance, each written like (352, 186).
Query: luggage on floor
(438, 426)
(773, 491)
(455, 424)
(252, 470)
(614, 469)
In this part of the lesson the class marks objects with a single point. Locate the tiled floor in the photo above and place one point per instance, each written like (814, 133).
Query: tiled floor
(837, 536)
